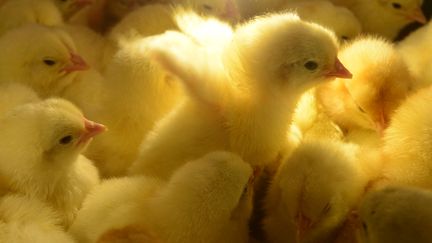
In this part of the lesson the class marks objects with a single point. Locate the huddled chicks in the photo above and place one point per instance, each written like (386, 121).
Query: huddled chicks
(182, 121)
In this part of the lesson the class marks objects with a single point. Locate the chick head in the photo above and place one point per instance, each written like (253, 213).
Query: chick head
(317, 186)
(46, 135)
(395, 214)
(42, 57)
(281, 53)
(70, 7)
(409, 9)
(380, 83)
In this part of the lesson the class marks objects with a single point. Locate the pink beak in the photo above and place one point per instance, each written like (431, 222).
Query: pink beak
(417, 15)
(77, 64)
(339, 71)
(91, 130)
(304, 224)
(231, 11)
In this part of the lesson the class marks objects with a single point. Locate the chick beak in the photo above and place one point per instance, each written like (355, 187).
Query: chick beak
(417, 15)
(304, 224)
(381, 124)
(91, 129)
(77, 63)
(231, 12)
(339, 71)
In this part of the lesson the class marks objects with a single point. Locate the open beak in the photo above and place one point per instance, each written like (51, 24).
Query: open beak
(304, 224)
(77, 63)
(417, 15)
(339, 71)
(91, 129)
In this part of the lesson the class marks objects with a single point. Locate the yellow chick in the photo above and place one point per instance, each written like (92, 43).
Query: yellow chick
(381, 82)
(407, 149)
(313, 192)
(207, 200)
(385, 17)
(396, 215)
(238, 101)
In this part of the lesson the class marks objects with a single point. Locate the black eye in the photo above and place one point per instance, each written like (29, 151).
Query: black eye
(396, 5)
(49, 62)
(66, 140)
(311, 65)
(364, 226)
(361, 109)
(345, 38)
(207, 7)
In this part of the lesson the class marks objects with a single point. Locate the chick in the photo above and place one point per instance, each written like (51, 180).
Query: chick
(212, 203)
(235, 102)
(381, 82)
(41, 57)
(312, 193)
(16, 13)
(24, 219)
(385, 17)
(338, 19)
(407, 143)
(151, 94)
(40, 151)
(396, 215)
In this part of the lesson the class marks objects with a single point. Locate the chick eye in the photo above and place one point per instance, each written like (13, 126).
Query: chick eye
(326, 209)
(49, 62)
(311, 65)
(345, 38)
(66, 140)
(396, 5)
(364, 226)
(207, 7)
(361, 109)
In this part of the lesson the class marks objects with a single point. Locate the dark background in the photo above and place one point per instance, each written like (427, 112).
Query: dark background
(427, 9)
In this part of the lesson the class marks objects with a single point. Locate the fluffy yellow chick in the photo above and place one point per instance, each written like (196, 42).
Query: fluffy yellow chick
(24, 219)
(396, 215)
(338, 19)
(385, 17)
(207, 200)
(40, 149)
(381, 82)
(44, 58)
(407, 143)
(313, 192)
(16, 13)
(238, 101)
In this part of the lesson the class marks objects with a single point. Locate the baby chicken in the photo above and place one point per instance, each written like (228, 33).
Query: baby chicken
(381, 81)
(396, 215)
(235, 101)
(338, 19)
(313, 192)
(212, 203)
(41, 57)
(40, 151)
(151, 94)
(24, 219)
(16, 13)
(385, 17)
(407, 143)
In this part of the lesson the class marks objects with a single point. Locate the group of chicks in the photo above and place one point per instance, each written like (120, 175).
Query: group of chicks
(213, 121)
